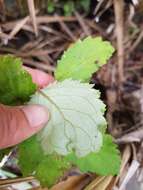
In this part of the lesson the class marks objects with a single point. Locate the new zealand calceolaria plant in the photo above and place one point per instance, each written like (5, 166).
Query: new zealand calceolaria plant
(76, 132)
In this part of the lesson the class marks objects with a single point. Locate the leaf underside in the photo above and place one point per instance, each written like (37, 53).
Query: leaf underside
(76, 118)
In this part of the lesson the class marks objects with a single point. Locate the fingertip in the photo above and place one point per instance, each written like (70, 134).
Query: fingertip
(36, 115)
(41, 78)
(19, 123)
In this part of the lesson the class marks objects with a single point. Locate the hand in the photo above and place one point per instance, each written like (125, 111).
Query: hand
(20, 122)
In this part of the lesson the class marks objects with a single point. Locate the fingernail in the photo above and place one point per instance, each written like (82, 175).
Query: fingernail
(36, 115)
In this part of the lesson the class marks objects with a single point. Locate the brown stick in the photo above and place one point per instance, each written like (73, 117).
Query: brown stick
(15, 180)
(41, 20)
(32, 12)
(82, 24)
(137, 41)
(119, 12)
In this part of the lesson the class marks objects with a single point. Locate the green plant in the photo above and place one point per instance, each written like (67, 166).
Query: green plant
(16, 84)
(68, 6)
(75, 134)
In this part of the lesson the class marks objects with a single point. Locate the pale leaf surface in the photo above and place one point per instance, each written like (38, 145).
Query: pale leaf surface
(76, 118)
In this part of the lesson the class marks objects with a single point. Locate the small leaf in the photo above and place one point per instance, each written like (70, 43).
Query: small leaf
(16, 84)
(32, 161)
(51, 169)
(83, 58)
(30, 155)
(76, 118)
(105, 162)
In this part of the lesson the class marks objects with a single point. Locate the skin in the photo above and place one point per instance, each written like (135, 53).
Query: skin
(20, 122)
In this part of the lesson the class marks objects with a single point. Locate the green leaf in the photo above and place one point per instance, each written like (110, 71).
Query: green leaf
(76, 118)
(105, 162)
(16, 84)
(85, 4)
(47, 168)
(77, 122)
(83, 58)
(51, 169)
(68, 8)
(50, 6)
(30, 155)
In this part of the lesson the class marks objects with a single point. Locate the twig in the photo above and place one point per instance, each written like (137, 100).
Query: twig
(107, 6)
(3, 9)
(95, 27)
(66, 29)
(118, 9)
(33, 15)
(41, 20)
(15, 180)
(136, 43)
(135, 136)
(39, 65)
(82, 24)
(17, 27)
(133, 168)
(125, 159)
(98, 7)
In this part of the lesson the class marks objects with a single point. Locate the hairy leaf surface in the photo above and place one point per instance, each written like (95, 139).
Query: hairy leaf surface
(76, 118)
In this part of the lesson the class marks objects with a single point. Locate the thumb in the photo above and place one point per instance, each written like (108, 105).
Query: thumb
(19, 123)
